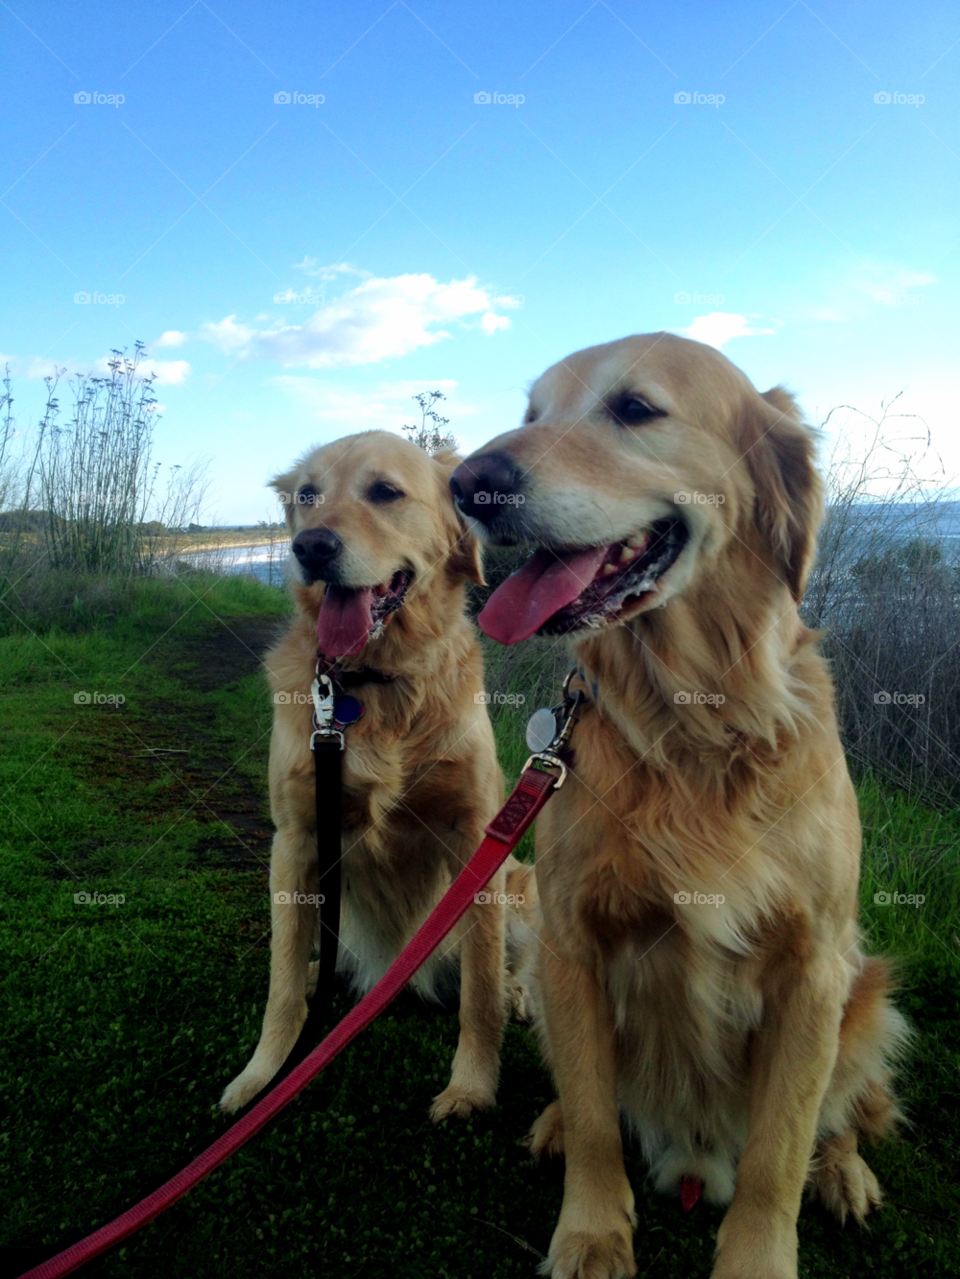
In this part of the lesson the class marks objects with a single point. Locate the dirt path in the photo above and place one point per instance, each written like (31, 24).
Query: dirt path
(242, 833)
(180, 743)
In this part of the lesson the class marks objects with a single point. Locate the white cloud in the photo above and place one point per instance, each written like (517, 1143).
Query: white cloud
(387, 407)
(490, 323)
(172, 337)
(35, 368)
(311, 267)
(378, 319)
(720, 327)
(855, 295)
(169, 372)
(228, 335)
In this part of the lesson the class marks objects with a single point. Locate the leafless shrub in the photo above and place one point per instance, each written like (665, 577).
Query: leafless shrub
(103, 505)
(888, 596)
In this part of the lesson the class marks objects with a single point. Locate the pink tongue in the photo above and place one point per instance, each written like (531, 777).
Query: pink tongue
(690, 1188)
(345, 621)
(547, 583)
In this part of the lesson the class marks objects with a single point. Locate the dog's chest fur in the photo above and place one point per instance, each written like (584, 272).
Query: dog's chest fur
(681, 975)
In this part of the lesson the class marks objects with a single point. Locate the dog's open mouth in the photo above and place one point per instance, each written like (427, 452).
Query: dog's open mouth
(563, 590)
(351, 616)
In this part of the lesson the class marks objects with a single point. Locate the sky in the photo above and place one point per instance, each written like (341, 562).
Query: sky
(312, 212)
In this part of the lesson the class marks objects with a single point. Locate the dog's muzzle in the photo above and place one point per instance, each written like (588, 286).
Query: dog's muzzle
(316, 549)
(487, 487)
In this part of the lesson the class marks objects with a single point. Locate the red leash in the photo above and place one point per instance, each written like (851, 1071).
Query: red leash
(502, 836)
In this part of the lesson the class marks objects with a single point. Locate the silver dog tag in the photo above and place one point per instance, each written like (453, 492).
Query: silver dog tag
(541, 729)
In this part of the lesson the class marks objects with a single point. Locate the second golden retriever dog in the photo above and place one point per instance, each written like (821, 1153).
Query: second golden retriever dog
(381, 560)
(700, 964)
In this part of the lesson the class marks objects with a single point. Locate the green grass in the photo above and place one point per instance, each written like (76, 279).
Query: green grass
(124, 1022)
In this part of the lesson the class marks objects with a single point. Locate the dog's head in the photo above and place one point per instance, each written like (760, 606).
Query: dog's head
(638, 465)
(372, 528)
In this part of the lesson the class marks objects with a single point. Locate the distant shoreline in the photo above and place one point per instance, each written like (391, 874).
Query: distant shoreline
(230, 546)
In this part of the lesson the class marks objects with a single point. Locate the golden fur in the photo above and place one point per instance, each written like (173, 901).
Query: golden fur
(421, 777)
(749, 1043)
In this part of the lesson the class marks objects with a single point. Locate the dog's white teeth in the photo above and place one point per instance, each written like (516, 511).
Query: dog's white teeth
(628, 553)
(609, 569)
(641, 545)
(383, 588)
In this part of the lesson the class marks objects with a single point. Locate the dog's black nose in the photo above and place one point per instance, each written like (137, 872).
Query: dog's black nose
(481, 486)
(315, 548)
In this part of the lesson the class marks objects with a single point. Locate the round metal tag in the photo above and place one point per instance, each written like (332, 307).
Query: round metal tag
(347, 710)
(541, 729)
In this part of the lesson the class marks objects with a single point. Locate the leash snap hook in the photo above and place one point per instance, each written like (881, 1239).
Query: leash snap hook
(566, 716)
(324, 729)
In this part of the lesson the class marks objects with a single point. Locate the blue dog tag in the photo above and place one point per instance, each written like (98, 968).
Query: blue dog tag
(347, 710)
(541, 729)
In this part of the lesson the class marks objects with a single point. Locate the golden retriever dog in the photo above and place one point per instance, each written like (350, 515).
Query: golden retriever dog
(699, 960)
(380, 561)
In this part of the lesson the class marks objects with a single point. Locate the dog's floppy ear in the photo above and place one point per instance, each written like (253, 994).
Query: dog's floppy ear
(465, 556)
(789, 491)
(286, 486)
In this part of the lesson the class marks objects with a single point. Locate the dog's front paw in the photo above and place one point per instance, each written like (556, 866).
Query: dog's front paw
(460, 1103)
(546, 1135)
(843, 1181)
(580, 1254)
(242, 1089)
(753, 1243)
(594, 1236)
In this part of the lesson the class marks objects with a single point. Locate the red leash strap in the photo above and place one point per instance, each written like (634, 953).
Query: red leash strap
(502, 836)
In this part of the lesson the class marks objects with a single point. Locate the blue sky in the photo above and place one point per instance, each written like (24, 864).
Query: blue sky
(299, 269)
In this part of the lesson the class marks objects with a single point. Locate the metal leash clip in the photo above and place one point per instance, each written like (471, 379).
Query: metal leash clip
(565, 715)
(321, 690)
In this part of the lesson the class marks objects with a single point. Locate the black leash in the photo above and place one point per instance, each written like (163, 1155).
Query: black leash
(333, 711)
(326, 742)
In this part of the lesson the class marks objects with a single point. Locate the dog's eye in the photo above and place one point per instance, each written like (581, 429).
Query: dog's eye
(530, 417)
(307, 495)
(384, 492)
(630, 410)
